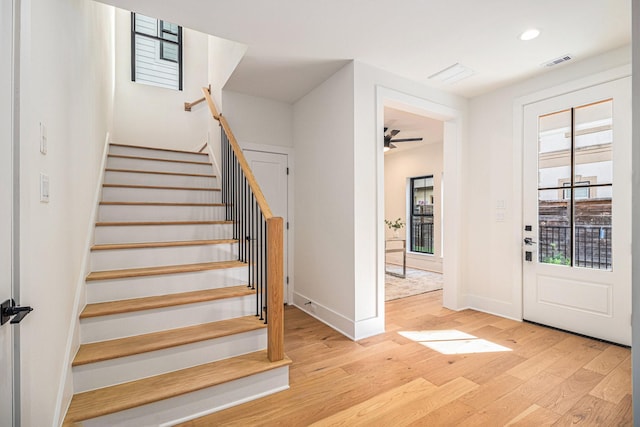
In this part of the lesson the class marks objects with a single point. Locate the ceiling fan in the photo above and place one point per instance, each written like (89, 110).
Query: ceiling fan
(389, 143)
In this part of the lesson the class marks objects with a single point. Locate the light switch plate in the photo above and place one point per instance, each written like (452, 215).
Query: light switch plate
(43, 139)
(44, 188)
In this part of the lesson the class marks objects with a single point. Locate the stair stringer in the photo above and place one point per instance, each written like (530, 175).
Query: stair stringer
(65, 389)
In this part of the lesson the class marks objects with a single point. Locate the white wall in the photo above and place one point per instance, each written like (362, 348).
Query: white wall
(339, 243)
(224, 57)
(154, 116)
(324, 193)
(635, 322)
(492, 249)
(258, 120)
(66, 83)
(399, 166)
(368, 185)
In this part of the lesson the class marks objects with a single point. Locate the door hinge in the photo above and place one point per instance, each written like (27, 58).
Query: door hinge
(287, 225)
(287, 171)
(287, 280)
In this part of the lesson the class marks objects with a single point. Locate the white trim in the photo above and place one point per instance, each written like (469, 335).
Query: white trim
(329, 317)
(63, 400)
(223, 407)
(214, 160)
(518, 139)
(452, 202)
(289, 152)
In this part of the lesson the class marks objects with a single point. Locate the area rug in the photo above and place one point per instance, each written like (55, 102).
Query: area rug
(416, 282)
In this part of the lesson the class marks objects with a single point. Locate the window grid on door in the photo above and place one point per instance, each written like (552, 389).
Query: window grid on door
(575, 186)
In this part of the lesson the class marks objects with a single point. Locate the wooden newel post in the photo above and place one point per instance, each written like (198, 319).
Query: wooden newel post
(275, 289)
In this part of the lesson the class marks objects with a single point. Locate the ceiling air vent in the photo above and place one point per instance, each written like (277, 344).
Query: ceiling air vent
(559, 60)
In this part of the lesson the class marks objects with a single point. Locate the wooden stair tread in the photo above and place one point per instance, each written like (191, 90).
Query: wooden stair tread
(129, 346)
(160, 204)
(160, 301)
(165, 269)
(160, 172)
(126, 223)
(104, 401)
(155, 159)
(115, 246)
(158, 149)
(160, 187)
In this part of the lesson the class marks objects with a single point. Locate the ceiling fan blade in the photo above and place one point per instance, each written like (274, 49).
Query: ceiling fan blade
(391, 145)
(385, 129)
(406, 140)
(394, 132)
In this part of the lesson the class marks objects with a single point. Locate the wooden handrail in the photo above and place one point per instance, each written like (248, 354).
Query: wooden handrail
(260, 199)
(274, 243)
(189, 105)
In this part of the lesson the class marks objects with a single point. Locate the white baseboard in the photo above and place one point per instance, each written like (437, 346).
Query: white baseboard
(369, 327)
(327, 316)
(354, 330)
(493, 306)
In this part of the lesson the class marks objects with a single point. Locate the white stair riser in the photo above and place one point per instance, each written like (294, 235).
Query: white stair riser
(157, 154)
(199, 403)
(116, 259)
(138, 287)
(124, 194)
(161, 233)
(124, 369)
(135, 178)
(147, 321)
(160, 213)
(158, 165)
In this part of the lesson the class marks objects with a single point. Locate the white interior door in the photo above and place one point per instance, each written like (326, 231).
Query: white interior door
(270, 170)
(577, 212)
(6, 199)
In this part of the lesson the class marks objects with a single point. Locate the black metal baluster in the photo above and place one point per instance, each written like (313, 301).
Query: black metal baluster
(266, 278)
(250, 243)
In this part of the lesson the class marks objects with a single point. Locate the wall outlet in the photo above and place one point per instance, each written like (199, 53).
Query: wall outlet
(43, 139)
(44, 188)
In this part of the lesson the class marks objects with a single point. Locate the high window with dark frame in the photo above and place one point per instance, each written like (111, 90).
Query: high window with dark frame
(421, 229)
(156, 52)
(575, 186)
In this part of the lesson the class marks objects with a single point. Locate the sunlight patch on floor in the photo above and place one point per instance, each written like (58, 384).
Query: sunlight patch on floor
(452, 341)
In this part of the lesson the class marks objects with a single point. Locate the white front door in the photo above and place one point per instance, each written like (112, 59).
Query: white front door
(270, 170)
(577, 212)
(6, 200)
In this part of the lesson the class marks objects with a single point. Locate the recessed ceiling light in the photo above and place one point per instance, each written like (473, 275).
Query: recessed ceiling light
(530, 34)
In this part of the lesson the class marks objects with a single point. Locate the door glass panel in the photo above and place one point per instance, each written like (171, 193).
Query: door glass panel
(593, 233)
(593, 143)
(554, 149)
(575, 194)
(554, 216)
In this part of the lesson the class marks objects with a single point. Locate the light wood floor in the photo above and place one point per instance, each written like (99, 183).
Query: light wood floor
(548, 377)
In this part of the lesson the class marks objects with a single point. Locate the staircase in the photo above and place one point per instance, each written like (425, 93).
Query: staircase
(171, 330)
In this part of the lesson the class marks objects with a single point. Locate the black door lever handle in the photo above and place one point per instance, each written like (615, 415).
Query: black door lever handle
(9, 309)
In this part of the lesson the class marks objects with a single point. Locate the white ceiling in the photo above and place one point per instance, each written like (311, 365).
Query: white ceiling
(296, 44)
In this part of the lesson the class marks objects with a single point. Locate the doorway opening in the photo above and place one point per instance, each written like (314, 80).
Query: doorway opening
(451, 120)
(413, 190)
